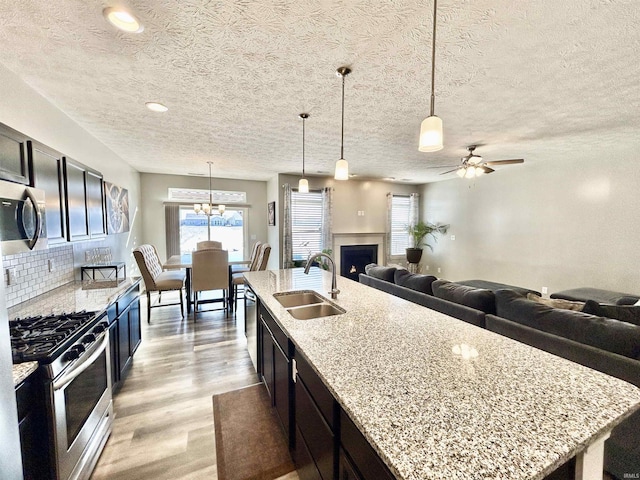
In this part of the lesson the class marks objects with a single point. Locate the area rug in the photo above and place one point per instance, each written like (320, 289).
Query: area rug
(250, 444)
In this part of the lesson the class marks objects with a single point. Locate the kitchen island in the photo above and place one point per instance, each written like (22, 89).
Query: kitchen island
(438, 398)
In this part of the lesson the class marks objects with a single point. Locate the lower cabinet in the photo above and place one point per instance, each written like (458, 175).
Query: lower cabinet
(124, 333)
(31, 426)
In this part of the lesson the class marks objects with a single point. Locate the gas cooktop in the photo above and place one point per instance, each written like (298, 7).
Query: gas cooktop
(44, 338)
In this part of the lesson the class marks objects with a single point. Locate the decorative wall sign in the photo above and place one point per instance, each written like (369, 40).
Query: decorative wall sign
(117, 208)
(271, 210)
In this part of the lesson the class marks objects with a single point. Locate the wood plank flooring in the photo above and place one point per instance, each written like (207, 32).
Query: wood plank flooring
(164, 415)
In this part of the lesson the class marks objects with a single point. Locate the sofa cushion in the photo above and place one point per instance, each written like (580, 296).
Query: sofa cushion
(557, 302)
(601, 296)
(478, 298)
(624, 313)
(414, 281)
(383, 273)
(493, 286)
(604, 333)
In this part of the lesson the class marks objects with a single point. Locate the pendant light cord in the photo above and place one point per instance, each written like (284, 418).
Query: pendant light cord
(342, 127)
(303, 119)
(433, 58)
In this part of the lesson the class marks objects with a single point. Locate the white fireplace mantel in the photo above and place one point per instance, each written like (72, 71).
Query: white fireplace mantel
(357, 238)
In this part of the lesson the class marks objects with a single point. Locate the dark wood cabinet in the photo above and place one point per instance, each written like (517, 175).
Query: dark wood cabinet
(84, 201)
(347, 471)
(48, 175)
(31, 424)
(13, 156)
(125, 333)
(276, 352)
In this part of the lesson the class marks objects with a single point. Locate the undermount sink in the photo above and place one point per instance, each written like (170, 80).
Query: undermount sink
(315, 311)
(307, 304)
(296, 299)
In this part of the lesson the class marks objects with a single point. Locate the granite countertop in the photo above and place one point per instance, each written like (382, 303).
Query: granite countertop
(22, 370)
(73, 297)
(439, 398)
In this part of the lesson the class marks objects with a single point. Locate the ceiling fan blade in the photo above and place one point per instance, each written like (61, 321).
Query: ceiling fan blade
(442, 166)
(487, 170)
(506, 162)
(449, 171)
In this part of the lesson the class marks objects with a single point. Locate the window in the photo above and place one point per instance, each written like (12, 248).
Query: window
(306, 224)
(399, 222)
(228, 228)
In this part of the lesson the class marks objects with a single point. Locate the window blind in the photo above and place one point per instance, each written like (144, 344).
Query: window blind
(306, 223)
(399, 223)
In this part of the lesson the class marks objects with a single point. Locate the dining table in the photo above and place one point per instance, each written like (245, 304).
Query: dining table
(184, 260)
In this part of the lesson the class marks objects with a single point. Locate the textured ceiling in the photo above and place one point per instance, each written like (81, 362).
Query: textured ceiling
(527, 78)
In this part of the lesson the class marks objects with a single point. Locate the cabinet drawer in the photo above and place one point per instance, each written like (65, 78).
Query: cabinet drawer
(25, 398)
(124, 301)
(364, 457)
(304, 462)
(347, 471)
(320, 394)
(277, 332)
(315, 431)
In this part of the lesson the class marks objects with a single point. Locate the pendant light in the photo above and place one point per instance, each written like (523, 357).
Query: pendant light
(303, 183)
(342, 166)
(431, 128)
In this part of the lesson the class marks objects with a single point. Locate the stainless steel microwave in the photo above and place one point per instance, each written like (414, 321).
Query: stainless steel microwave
(22, 218)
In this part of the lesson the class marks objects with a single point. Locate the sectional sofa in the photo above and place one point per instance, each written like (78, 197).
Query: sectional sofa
(601, 332)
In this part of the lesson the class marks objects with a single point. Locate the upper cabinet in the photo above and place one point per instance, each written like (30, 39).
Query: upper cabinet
(84, 201)
(48, 175)
(13, 156)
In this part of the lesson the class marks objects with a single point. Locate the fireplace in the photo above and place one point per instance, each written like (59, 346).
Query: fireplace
(353, 259)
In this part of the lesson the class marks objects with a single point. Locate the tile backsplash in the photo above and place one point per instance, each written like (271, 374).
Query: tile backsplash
(33, 276)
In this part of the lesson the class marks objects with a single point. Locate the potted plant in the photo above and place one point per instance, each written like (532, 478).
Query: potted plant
(418, 233)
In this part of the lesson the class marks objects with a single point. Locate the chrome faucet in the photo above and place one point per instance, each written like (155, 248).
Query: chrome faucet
(334, 288)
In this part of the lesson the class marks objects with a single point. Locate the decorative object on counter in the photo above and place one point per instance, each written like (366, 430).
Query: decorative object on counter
(98, 256)
(303, 183)
(419, 232)
(271, 213)
(342, 166)
(431, 136)
(207, 208)
(245, 422)
(117, 208)
(88, 272)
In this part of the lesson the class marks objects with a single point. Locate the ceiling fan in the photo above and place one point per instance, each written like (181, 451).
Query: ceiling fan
(473, 166)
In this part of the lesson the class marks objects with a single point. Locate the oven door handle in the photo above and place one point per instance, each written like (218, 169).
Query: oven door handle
(77, 369)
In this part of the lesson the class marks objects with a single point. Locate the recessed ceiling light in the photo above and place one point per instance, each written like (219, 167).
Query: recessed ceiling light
(123, 19)
(156, 107)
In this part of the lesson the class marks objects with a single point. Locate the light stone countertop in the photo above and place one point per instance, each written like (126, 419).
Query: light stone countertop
(73, 297)
(22, 370)
(395, 367)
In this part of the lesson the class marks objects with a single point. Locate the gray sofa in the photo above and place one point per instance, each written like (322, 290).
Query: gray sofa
(595, 341)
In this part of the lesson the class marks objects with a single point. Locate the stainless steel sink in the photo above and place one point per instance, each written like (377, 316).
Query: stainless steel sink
(296, 299)
(315, 311)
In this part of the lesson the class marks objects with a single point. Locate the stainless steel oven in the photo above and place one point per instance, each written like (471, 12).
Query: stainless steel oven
(81, 409)
(22, 218)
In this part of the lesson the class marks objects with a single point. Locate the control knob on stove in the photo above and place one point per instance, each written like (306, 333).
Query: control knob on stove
(74, 352)
(99, 328)
(88, 338)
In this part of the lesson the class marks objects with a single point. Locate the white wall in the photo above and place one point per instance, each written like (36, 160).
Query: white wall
(273, 232)
(562, 222)
(155, 190)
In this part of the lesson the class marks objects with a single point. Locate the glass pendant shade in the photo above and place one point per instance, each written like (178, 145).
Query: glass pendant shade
(303, 185)
(197, 208)
(221, 209)
(470, 173)
(461, 171)
(342, 170)
(206, 207)
(431, 136)
(479, 171)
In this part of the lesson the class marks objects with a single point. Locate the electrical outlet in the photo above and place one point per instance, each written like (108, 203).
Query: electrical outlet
(12, 276)
(453, 237)
(545, 290)
(439, 270)
(426, 267)
(52, 265)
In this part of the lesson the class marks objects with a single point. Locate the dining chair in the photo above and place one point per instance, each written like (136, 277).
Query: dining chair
(208, 244)
(157, 280)
(210, 271)
(237, 279)
(246, 266)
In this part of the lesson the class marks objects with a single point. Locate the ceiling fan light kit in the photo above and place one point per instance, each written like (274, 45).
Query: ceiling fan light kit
(303, 183)
(473, 166)
(431, 134)
(342, 166)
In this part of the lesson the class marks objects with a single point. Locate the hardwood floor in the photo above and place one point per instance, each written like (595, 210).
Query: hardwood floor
(164, 416)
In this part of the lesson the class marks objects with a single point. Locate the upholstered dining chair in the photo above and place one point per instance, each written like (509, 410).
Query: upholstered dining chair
(261, 264)
(157, 280)
(210, 271)
(248, 265)
(208, 244)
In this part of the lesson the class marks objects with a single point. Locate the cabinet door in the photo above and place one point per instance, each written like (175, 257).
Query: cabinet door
(47, 169)
(123, 341)
(347, 470)
(135, 333)
(281, 375)
(76, 200)
(95, 203)
(114, 340)
(267, 360)
(13, 156)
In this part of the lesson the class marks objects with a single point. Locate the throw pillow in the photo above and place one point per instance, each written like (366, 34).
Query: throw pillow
(557, 302)
(624, 313)
(414, 281)
(382, 273)
(478, 298)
